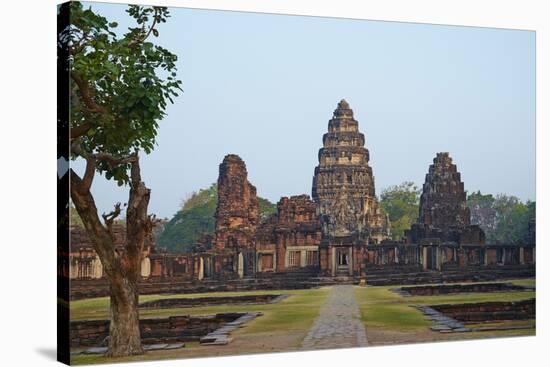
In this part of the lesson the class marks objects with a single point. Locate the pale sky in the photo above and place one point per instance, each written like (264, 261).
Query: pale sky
(264, 87)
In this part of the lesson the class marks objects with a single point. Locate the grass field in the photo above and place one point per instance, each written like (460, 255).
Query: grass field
(281, 328)
(390, 318)
(387, 316)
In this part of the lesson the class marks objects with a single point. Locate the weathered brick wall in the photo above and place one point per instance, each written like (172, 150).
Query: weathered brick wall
(175, 328)
(237, 211)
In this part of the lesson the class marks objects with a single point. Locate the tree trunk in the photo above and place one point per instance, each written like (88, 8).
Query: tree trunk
(124, 333)
(122, 270)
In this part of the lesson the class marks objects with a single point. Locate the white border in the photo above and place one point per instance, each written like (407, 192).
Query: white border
(27, 181)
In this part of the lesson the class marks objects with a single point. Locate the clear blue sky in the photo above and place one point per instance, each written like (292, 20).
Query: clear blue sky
(264, 87)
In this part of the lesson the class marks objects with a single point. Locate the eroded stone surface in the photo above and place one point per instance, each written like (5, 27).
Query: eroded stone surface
(339, 322)
(343, 184)
(237, 212)
(444, 214)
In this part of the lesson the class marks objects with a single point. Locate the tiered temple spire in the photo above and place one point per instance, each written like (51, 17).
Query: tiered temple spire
(343, 184)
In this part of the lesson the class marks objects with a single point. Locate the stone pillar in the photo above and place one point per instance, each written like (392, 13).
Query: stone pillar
(424, 257)
(145, 267)
(455, 258)
(97, 268)
(333, 261)
(201, 269)
(303, 254)
(350, 261)
(258, 262)
(438, 257)
(240, 265)
(521, 256)
(396, 254)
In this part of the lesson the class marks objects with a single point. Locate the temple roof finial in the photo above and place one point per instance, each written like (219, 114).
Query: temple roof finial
(343, 104)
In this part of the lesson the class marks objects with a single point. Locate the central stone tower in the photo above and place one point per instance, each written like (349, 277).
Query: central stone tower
(343, 184)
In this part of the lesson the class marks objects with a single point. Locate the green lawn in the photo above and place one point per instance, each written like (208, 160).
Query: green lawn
(383, 309)
(387, 316)
(299, 309)
(292, 316)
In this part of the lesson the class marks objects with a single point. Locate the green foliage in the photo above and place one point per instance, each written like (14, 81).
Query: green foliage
(120, 84)
(74, 218)
(504, 218)
(401, 204)
(196, 219)
(266, 208)
(204, 196)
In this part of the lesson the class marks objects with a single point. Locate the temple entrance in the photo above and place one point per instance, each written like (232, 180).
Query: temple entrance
(431, 258)
(343, 260)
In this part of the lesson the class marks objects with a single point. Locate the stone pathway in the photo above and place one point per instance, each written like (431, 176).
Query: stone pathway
(338, 324)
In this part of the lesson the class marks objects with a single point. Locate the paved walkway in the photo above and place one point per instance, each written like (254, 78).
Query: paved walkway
(338, 324)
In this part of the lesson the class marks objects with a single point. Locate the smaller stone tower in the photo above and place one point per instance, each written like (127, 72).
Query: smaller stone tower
(443, 213)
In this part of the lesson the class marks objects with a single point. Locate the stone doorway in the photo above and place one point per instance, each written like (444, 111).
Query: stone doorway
(343, 260)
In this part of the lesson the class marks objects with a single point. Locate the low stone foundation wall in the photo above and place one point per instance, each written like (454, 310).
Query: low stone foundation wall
(375, 275)
(212, 301)
(92, 333)
(434, 290)
(390, 275)
(93, 288)
(489, 311)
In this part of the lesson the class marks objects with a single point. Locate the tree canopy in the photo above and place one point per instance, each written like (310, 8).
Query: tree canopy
(401, 204)
(121, 86)
(504, 218)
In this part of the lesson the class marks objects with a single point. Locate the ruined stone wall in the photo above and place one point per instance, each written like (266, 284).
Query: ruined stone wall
(343, 183)
(237, 212)
(290, 237)
(84, 263)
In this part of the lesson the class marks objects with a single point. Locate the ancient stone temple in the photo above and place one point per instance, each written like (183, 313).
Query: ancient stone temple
(342, 235)
(290, 238)
(343, 184)
(237, 212)
(237, 215)
(443, 212)
(84, 261)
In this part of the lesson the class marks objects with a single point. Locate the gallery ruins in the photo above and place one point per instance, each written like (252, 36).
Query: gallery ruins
(339, 235)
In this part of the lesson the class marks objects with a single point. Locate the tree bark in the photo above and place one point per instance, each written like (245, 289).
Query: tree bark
(123, 269)
(124, 333)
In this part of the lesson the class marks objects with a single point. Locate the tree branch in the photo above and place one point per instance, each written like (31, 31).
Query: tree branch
(89, 173)
(77, 131)
(109, 218)
(113, 160)
(135, 172)
(152, 25)
(136, 41)
(84, 89)
(93, 158)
